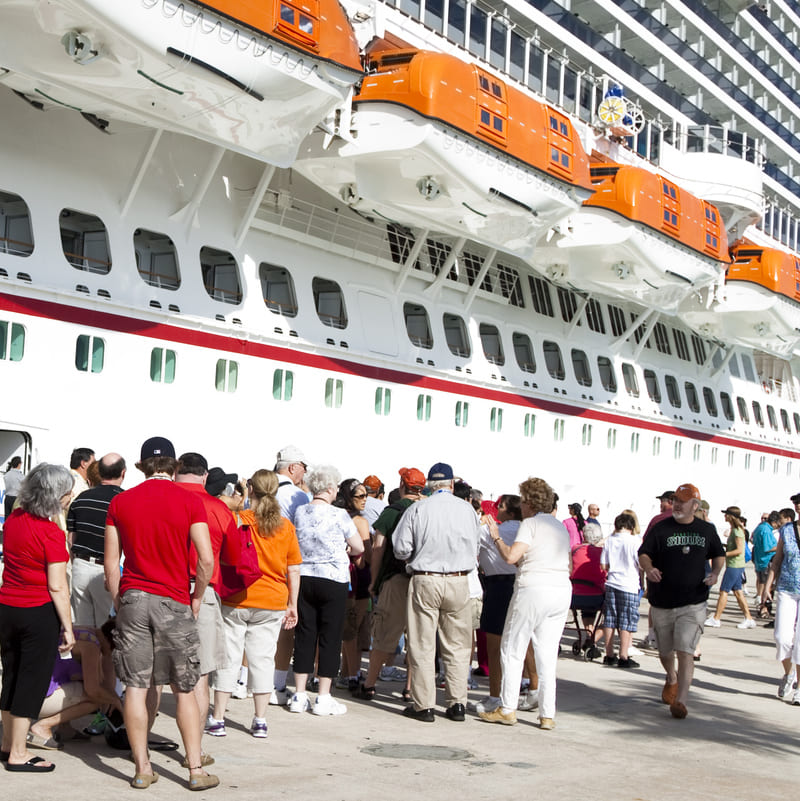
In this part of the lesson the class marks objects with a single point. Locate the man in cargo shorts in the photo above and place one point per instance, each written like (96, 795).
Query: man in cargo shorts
(674, 556)
(156, 639)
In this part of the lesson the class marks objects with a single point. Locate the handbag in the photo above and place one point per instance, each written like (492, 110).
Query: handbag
(237, 578)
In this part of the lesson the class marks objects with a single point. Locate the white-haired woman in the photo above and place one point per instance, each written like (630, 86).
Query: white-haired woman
(34, 607)
(327, 538)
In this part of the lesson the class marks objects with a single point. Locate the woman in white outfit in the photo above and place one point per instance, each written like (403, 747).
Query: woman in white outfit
(540, 603)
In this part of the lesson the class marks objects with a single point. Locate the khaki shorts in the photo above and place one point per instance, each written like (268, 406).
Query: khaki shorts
(679, 629)
(211, 631)
(477, 608)
(390, 615)
(65, 696)
(156, 642)
(355, 612)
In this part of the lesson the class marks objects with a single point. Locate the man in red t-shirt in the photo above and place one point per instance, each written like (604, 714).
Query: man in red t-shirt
(191, 476)
(153, 525)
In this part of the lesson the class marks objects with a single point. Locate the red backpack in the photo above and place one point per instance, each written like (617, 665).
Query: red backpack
(237, 578)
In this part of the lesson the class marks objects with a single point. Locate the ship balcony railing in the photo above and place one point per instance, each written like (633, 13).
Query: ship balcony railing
(716, 139)
(15, 247)
(88, 263)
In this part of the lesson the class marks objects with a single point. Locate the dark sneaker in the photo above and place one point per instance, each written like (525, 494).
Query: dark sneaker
(424, 715)
(456, 712)
(611, 661)
(627, 663)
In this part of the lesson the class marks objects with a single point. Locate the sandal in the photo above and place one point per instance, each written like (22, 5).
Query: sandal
(203, 781)
(365, 693)
(33, 765)
(406, 695)
(141, 781)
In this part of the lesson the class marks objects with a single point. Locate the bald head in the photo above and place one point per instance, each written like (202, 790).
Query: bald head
(112, 469)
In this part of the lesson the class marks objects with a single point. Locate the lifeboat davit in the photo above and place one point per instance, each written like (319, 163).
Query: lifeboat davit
(640, 237)
(759, 304)
(248, 75)
(441, 144)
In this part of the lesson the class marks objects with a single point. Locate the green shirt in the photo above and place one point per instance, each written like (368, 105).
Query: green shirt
(732, 545)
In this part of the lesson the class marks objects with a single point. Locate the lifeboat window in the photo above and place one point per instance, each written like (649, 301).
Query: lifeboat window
(742, 406)
(758, 415)
(334, 389)
(84, 241)
(226, 378)
(418, 326)
(496, 419)
(727, 406)
(670, 218)
(12, 348)
(540, 296)
(661, 338)
(772, 417)
(553, 360)
(568, 302)
(669, 190)
(89, 354)
(796, 418)
(462, 413)
(711, 214)
(651, 382)
(277, 288)
(16, 235)
(712, 240)
(580, 366)
(785, 421)
(492, 344)
(455, 333)
(423, 408)
(329, 303)
(673, 393)
(523, 352)
(220, 275)
(383, 401)
(156, 259)
(606, 370)
(710, 401)
(483, 82)
(699, 349)
(162, 365)
(298, 22)
(630, 380)
(681, 346)
(594, 316)
(282, 385)
(691, 396)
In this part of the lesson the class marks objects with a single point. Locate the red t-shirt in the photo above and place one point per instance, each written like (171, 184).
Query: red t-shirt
(153, 521)
(221, 526)
(29, 544)
(587, 576)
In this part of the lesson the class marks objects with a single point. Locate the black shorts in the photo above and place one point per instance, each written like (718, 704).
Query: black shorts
(496, 599)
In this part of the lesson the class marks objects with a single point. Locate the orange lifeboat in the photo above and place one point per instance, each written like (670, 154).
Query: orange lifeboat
(759, 304)
(640, 236)
(443, 144)
(251, 76)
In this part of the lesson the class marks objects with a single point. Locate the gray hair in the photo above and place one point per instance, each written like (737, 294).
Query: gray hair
(323, 477)
(592, 533)
(437, 485)
(43, 487)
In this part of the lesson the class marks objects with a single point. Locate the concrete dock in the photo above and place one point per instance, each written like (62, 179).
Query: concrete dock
(614, 739)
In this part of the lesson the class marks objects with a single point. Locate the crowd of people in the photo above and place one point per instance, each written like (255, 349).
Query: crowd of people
(217, 586)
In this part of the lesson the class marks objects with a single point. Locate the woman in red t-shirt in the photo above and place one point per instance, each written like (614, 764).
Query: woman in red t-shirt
(34, 606)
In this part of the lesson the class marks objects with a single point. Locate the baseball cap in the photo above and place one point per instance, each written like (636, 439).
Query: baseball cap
(292, 454)
(157, 446)
(733, 511)
(372, 483)
(411, 477)
(795, 498)
(687, 492)
(440, 472)
(666, 495)
(217, 479)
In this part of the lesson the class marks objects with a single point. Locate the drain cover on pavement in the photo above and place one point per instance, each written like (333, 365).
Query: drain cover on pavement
(437, 753)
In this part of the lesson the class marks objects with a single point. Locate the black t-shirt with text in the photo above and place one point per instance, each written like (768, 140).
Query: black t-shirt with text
(680, 551)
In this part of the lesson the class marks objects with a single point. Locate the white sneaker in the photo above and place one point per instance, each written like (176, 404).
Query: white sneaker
(258, 728)
(279, 697)
(796, 698)
(745, 591)
(747, 624)
(712, 622)
(634, 651)
(488, 705)
(786, 686)
(528, 701)
(326, 705)
(299, 703)
(239, 690)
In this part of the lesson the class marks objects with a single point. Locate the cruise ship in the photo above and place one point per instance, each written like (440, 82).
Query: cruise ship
(525, 238)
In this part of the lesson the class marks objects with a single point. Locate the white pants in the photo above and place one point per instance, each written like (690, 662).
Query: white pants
(787, 626)
(536, 614)
(255, 633)
(89, 598)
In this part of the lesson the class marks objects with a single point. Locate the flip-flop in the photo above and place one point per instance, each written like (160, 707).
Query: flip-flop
(31, 766)
(141, 781)
(49, 744)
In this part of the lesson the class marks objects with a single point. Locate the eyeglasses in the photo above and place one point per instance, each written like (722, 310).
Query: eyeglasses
(363, 495)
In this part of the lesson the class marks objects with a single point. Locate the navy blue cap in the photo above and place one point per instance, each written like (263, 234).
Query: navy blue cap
(157, 446)
(440, 472)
